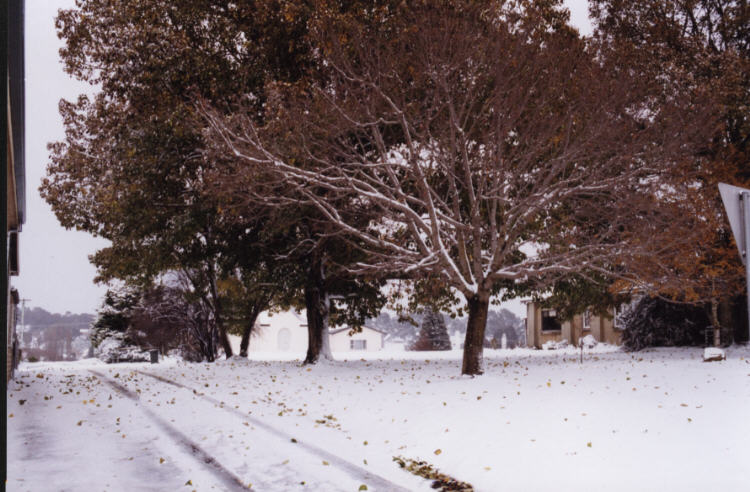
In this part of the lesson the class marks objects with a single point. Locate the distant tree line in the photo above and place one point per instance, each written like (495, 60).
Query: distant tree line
(38, 317)
(54, 336)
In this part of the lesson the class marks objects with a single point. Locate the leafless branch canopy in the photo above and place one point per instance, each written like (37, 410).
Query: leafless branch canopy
(483, 151)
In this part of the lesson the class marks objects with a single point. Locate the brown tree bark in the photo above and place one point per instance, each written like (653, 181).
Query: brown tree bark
(224, 339)
(316, 305)
(207, 344)
(218, 315)
(209, 351)
(474, 341)
(245, 342)
(314, 332)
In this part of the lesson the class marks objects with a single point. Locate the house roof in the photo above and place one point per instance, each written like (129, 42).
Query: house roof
(289, 318)
(346, 328)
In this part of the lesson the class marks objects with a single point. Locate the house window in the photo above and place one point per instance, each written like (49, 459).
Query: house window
(358, 344)
(587, 320)
(549, 320)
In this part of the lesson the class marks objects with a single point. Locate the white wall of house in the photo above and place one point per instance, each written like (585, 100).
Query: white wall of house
(394, 345)
(280, 332)
(367, 340)
(286, 332)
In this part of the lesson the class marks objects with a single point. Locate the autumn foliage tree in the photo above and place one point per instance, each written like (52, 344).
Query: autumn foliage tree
(491, 142)
(132, 167)
(128, 169)
(708, 42)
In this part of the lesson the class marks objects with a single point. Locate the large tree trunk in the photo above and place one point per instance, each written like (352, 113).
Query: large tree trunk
(206, 340)
(248, 330)
(218, 315)
(316, 304)
(224, 339)
(474, 341)
(209, 351)
(245, 342)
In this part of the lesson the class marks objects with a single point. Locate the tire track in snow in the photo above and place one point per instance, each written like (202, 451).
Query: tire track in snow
(356, 472)
(226, 477)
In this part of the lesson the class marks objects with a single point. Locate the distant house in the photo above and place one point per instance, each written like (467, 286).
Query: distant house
(286, 332)
(368, 339)
(543, 325)
(394, 343)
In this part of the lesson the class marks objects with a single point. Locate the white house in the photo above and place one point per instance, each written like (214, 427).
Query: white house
(369, 339)
(286, 332)
(280, 332)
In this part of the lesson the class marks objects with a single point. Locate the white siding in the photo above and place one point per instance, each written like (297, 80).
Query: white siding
(341, 341)
(284, 332)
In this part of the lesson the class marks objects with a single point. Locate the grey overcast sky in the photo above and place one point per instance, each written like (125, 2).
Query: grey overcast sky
(55, 272)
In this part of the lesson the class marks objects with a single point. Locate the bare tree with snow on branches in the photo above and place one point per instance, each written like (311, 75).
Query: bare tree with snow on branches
(492, 145)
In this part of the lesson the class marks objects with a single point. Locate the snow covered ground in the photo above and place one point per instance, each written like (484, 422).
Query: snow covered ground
(537, 420)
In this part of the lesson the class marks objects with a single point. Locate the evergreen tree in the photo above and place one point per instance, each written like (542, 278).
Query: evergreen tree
(433, 334)
(113, 318)
(654, 322)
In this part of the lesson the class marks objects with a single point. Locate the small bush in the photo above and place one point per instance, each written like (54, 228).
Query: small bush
(115, 349)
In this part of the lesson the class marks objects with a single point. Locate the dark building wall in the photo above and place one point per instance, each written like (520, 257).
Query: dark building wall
(15, 175)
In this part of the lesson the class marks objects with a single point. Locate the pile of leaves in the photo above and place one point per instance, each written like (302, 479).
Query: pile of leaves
(440, 482)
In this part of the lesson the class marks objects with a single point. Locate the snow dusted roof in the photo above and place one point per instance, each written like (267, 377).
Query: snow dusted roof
(346, 328)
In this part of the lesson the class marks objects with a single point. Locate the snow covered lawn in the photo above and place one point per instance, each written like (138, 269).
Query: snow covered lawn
(537, 420)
